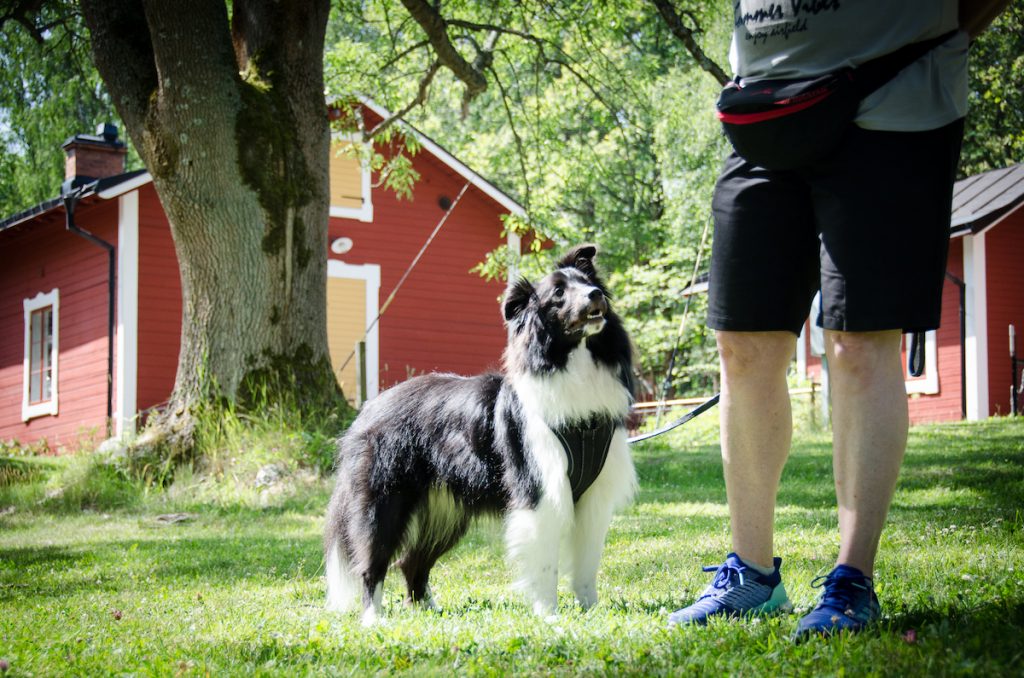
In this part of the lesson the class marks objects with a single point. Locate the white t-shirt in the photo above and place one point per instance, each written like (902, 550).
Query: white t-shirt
(802, 38)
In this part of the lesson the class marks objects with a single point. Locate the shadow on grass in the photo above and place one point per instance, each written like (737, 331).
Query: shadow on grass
(987, 461)
(57, 571)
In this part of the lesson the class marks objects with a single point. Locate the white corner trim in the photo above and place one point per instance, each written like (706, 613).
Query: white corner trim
(49, 407)
(514, 242)
(976, 311)
(127, 365)
(370, 274)
(451, 161)
(364, 213)
(928, 383)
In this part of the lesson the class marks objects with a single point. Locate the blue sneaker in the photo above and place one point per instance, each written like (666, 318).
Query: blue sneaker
(737, 590)
(847, 603)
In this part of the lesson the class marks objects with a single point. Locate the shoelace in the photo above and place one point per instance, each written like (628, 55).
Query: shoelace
(724, 574)
(840, 592)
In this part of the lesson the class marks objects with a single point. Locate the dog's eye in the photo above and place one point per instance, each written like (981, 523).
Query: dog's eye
(559, 292)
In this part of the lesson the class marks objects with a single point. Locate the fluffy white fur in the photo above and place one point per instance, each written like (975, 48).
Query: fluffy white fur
(535, 538)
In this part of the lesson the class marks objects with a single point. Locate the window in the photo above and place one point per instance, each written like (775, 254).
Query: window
(40, 383)
(350, 182)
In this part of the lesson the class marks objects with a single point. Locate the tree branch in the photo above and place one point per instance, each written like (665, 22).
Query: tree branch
(685, 35)
(420, 98)
(436, 28)
(515, 135)
(123, 54)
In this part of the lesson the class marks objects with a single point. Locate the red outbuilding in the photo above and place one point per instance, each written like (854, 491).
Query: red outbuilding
(90, 317)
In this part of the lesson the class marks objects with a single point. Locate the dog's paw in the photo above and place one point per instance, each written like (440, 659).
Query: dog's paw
(371, 617)
(586, 596)
(544, 608)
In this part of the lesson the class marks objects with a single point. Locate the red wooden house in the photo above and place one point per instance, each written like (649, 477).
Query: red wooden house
(90, 318)
(968, 372)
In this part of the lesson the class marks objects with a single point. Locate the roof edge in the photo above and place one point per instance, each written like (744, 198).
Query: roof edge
(460, 168)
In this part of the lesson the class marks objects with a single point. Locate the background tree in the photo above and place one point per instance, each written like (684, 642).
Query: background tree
(600, 118)
(994, 134)
(49, 90)
(596, 115)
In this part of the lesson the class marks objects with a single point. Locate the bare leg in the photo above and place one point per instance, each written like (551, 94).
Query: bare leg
(757, 428)
(870, 421)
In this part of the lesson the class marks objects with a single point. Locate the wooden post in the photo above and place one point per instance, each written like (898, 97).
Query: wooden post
(360, 374)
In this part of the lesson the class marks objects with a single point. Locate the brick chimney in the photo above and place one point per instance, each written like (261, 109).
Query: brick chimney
(90, 157)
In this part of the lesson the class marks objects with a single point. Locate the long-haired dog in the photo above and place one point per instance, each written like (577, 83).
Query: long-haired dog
(543, 445)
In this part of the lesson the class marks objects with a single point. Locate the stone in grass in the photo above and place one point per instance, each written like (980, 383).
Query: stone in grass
(270, 474)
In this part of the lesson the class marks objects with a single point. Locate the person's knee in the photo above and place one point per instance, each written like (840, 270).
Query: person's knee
(747, 353)
(863, 355)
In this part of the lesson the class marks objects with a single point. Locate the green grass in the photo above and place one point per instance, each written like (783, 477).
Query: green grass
(237, 588)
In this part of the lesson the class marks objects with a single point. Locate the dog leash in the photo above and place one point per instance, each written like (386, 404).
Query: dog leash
(700, 409)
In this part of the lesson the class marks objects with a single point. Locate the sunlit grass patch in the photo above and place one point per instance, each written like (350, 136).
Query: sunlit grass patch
(235, 587)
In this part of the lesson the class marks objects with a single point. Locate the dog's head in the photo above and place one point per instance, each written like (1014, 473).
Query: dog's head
(571, 301)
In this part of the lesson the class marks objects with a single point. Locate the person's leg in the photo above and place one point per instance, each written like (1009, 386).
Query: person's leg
(756, 429)
(869, 431)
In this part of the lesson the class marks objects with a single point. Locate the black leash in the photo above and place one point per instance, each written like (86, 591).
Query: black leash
(700, 409)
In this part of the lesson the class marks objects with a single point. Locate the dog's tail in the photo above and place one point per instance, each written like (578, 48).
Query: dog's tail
(344, 586)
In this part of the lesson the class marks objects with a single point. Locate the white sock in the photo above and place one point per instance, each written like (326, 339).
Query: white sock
(766, 571)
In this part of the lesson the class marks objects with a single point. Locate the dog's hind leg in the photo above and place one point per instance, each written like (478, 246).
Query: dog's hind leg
(384, 530)
(438, 526)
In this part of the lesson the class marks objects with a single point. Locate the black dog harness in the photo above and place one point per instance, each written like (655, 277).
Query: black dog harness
(586, 446)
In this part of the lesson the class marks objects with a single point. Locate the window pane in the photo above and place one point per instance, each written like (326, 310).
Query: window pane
(47, 352)
(40, 387)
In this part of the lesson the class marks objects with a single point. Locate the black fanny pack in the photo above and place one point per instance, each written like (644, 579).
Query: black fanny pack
(786, 124)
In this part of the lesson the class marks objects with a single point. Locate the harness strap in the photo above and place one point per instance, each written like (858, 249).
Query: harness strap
(586, 447)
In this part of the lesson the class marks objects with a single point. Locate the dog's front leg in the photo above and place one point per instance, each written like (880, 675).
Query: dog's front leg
(589, 531)
(612, 489)
(533, 537)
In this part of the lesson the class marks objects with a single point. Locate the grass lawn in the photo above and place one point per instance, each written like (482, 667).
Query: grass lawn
(236, 588)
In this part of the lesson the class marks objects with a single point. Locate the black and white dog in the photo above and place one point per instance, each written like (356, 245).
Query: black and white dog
(543, 445)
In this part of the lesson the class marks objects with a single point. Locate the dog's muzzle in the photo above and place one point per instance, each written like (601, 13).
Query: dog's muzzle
(593, 320)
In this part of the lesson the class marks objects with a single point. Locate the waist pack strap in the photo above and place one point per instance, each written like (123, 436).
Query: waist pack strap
(871, 75)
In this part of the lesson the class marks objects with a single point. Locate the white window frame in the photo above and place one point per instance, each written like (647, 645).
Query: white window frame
(364, 213)
(927, 383)
(31, 410)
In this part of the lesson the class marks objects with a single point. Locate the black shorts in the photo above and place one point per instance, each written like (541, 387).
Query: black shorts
(869, 226)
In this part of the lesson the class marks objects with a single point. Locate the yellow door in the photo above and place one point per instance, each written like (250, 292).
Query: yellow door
(351, 308)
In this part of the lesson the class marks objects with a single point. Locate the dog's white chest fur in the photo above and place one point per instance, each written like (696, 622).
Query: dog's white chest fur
(584, 388)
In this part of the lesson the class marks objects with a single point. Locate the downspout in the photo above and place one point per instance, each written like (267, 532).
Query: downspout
(70, 200)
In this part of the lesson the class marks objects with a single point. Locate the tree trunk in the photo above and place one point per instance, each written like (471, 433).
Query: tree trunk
(230, 119)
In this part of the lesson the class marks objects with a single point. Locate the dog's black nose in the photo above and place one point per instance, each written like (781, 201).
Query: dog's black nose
(595, 294)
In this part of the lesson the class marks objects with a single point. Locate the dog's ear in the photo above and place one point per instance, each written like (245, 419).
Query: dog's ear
(517, 298)
(580, 257)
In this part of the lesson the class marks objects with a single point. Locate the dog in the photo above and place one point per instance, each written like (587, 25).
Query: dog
(542, 444)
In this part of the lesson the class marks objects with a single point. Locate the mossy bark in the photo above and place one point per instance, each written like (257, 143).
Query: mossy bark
(228, 115)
